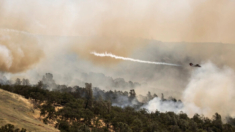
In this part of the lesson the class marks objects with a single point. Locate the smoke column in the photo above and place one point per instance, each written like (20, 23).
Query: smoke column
(19, 50)
(130, 59)
(211, 89)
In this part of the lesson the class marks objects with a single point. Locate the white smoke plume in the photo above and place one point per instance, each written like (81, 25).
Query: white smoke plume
(112, 26)
(130, 59)
(210, 90)
(163, 106)
(19, 50)
(5, 56)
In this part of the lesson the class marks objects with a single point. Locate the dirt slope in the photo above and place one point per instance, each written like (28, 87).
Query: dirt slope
(17, 110)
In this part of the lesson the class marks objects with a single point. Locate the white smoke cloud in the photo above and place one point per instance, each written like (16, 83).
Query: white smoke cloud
(5, 56)
(124, 101)
(210, 90)
(163, 106)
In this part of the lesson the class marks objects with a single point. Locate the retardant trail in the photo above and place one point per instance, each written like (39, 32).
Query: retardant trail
(131, 59)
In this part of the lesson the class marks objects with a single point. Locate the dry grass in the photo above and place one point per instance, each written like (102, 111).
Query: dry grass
(99, 123)
(17, 110)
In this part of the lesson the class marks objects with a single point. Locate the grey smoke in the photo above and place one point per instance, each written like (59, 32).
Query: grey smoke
(3, 79)
(102, 81)
(210, 89)
(67, 67)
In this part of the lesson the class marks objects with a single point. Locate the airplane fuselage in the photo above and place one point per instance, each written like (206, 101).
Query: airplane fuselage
(197, 65)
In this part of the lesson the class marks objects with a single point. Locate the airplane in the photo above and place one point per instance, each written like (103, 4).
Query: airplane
(197, 65)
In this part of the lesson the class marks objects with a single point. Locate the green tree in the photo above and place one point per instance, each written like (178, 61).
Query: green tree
(137, 125)
(11, 128)
(25, 82)
(84, 128)
(62, 125)
(89, 96)
(122, 127)
(18, 81)
(217, 122)
(48, 110)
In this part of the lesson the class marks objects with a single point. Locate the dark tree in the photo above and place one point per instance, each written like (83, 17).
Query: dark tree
(89, 96)
(132, 94)
(18, 81)
(25, 82)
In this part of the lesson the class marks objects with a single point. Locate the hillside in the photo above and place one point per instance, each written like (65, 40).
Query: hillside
(17, 110)
(80, 110)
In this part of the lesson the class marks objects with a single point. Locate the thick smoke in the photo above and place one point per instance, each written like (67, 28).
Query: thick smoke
(112, 25)
(5, 56)
(18, 51)
(210, 90)
(70, 30)
(3, 79)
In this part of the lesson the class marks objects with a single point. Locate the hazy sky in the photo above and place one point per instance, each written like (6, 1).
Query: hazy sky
(44, 36)
(57, 36)
(165, 20)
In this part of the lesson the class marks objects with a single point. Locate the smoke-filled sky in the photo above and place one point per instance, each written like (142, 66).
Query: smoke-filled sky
(115, 26)
(43, 36)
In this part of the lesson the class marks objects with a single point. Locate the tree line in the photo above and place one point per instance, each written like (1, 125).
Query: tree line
(83, 111)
